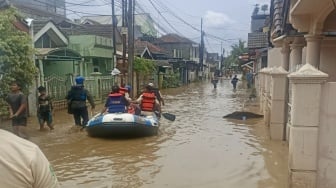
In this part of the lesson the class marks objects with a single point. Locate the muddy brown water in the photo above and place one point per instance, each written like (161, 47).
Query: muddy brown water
(199, 149)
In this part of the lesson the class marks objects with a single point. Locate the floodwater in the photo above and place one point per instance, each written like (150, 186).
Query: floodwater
(199, 149)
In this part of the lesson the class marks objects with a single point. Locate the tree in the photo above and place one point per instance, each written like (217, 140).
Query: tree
(264, 8)
(16, 52)
(236, 51)
(143, 67)
(256, 9)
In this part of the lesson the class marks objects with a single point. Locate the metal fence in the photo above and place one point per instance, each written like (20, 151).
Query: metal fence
(58, 87)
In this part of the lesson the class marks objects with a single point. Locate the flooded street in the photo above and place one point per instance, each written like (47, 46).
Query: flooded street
(199, 149)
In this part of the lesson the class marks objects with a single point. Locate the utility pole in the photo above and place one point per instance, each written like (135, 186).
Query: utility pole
(131, 43)
(114, 26)
(222, 57)
(124, 36)
(201, 47)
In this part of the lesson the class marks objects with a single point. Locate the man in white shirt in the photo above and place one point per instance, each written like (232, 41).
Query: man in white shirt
(23, 164)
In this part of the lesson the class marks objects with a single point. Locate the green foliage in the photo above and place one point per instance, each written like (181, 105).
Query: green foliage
(171, 80)
(236, 50)
(143, 66)
(16, 55)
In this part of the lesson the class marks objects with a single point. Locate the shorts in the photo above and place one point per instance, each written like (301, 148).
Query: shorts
(45, 117)
(19, 121)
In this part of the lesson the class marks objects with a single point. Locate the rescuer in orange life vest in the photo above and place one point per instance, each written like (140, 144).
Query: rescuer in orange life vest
(125, 91)
(148, 102)
(115, 102)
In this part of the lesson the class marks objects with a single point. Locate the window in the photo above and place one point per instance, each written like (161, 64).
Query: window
(95, 69)
(174, 53)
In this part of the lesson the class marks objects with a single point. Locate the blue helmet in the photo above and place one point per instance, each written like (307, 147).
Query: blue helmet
(128, 87)
(79, 80)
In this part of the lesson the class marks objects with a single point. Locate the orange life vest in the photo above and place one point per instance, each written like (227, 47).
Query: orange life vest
(148, 101)
(123, 90)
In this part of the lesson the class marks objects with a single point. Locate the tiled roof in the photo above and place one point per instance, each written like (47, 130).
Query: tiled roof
(38, 25)
(21, 26)
(173, 38)
(277, 18)
(141, 45)
(257, 40)
(144, 20)
(38, 14)
(99, 30)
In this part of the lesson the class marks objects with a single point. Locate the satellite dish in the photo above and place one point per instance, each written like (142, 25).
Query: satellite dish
(115, 71)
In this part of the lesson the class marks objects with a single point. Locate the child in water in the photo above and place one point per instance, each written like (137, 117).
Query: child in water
(45, 108)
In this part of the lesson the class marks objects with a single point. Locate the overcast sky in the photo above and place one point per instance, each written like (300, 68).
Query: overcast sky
(224, 21)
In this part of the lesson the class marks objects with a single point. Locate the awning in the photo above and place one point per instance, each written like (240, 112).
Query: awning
(248, 65)
(162, 63)
(57, 54)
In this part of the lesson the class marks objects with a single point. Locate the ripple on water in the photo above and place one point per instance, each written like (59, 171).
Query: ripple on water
(199, 149)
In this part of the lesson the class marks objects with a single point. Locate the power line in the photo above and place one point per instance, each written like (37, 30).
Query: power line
(177, 17)
(188, 24)
(206, 39)
(164, 18)
(63, 8)
(84, 4)
(147, 21)
(219, 38)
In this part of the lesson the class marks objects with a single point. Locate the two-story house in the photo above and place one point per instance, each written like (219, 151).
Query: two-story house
(184, 53)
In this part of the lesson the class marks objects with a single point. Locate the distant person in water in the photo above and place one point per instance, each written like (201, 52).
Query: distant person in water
(45, 108)
(234, 82)
(249, 79)
(215, 80)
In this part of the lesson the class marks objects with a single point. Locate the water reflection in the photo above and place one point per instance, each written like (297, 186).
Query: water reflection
(198, 149)
(82, 161)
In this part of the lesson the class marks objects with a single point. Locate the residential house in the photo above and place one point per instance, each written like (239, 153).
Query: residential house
(147, 50)
(297, 88)
(214, 61)
(94, 43)
(257, 42)
(64, 50)
(143, 23)
(53, 57)
(185, 54)
(41, 9)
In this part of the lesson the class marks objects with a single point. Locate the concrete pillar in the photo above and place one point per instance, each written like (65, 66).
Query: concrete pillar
(267, 98)
(296, 53)
(285, 50)
(313, 49)
(261, 87)
(40, 62)
(278, 103)
(32, 98)
(81, 67)
(304, 126)
(160, 80)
